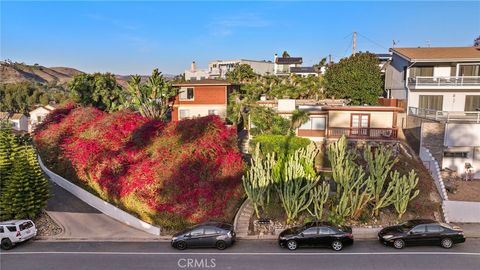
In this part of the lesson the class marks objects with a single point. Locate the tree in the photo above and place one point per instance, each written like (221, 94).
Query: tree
(153, 98)
(98, 90)
(357, 77)
(266, 121)
(285, 54)
(298, 118)
(241, 74)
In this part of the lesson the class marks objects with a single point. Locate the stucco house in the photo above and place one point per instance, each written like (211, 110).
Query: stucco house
(18, 121)
(38, 115)
(201, 98)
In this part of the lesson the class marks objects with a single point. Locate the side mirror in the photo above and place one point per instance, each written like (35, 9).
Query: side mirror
(188, 235)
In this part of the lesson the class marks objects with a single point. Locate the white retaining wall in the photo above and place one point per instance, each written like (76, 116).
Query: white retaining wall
(432, 166)
(99, 204)
(463, 212)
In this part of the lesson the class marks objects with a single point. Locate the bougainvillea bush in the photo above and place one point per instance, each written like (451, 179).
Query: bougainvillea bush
(170, 174)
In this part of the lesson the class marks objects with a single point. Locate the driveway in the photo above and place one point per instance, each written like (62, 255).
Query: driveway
(81, 221)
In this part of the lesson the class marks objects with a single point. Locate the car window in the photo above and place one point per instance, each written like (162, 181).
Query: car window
(211, 231)
(12, 228)
(25, 225)
(434, 228)
(197, 232)
(310, 231)
(326, 230)
(419, 229)
(1, 229)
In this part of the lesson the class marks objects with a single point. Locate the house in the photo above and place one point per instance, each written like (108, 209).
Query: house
(38, 115)
(218, 69)
(18, 121)
(441, 87)
(282, 65)
(201, 98)
(330, 119)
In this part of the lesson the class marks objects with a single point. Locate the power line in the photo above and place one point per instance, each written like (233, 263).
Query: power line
(372, 41)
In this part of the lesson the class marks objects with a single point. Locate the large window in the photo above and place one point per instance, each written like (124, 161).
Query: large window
(469, 70)
(430, 102)
(421, 71)
(314, 123)
(472, 103)
(184, 114)
(186, 93)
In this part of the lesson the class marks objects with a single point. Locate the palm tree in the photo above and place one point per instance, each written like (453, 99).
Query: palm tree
(299, 118)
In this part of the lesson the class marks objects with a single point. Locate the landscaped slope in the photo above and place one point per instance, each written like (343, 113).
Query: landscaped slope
(168, 174)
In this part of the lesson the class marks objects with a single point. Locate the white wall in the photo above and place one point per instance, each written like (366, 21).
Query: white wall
(432, 166)
(202, 110)
(100, 204)
(452, 101)
(462, 134)
(439, 71)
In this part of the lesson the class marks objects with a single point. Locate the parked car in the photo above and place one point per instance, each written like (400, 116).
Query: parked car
(316, 234)
(16, 231)
(209, 234)
(421, 232)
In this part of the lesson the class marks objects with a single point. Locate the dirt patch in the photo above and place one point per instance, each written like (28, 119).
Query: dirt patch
(466, 191)
(46, 226)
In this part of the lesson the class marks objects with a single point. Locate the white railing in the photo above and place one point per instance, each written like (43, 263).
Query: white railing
(448, 116)
(446, 81)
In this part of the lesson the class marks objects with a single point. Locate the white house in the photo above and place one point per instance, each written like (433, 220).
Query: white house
(38, 115)
(18, 121)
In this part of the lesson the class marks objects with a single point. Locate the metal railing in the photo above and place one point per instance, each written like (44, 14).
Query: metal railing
(445, 81)
(363, 133)
(447, 116)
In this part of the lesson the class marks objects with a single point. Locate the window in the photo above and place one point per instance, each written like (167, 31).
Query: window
(12, 228)
(326, 230)
(419, 229)
(25, 225)
(314, 123)
(311, 231)
(186, 93)
(184, 114)
(434, 228)
(421, 71)
(39, 119)
(472, 103)
(197, 232)
(469, 70)
(211, 231)
(212, 112)
(1, 229)
(202, 77)
(193, 78)
(455, 154)
(431, 102)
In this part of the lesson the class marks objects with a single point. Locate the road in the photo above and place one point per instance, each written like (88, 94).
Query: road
(244, 255)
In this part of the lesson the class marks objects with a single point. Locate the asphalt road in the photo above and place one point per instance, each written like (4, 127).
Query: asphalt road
(244, 255)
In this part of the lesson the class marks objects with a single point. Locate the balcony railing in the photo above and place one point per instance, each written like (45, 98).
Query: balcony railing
(363, 133)
(451, 81)
(446, 116)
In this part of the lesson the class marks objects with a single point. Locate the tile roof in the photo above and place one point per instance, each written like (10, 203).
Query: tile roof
(204, 82)
(288, 60)
(439, 53)
(17, 116)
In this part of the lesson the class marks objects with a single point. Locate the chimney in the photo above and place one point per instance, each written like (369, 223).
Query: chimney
(193, 68)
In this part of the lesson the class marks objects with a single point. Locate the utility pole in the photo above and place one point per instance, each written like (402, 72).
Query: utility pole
(329, 58)
(354, 49)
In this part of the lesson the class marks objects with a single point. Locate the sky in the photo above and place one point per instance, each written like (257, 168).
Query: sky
(132, 37)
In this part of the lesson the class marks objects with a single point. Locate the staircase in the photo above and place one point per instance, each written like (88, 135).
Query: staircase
(242, 220)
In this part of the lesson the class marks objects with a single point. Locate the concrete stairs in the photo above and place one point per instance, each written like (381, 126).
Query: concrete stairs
(242, 220)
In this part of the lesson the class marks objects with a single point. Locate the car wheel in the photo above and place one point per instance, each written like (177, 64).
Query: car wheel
(181, 245)
(221, 245)
(337, 245)
(447, 243)
(399, 243)
(6, 244)
(292, 244)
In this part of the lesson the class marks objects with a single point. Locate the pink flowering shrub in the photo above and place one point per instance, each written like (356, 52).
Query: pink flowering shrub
(171, 174)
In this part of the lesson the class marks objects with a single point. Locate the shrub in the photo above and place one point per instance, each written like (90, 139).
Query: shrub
(171, 174)
(280, 145)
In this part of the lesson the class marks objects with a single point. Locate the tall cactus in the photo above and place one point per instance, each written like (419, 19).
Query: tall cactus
(403, 191)
(319, 195)
(298, 180)
(257, 180)
(344, 168)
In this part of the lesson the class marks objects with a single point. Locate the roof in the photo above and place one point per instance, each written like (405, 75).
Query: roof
(289, 60)
(204, 82)
(4, 115)
(439, 54)
(17, 116)
(303, 70)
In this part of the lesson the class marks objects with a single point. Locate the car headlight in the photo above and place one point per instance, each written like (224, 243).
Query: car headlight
(387, 236)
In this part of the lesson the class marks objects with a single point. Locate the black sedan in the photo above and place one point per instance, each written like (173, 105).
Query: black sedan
(209, 234)
(316, 234)
(421, 232)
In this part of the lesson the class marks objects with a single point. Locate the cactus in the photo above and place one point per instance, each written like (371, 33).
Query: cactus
(319, 195)
(298, 179)
(257, 180)
(344, 168)
(402, 191)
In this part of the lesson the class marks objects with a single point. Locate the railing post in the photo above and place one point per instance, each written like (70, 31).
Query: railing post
(478, 118)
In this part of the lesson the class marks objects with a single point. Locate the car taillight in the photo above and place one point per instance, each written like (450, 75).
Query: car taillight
(349, 235)
(18, 233)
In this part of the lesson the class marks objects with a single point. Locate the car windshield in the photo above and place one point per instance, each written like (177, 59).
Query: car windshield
(407, 225)
(25, 225)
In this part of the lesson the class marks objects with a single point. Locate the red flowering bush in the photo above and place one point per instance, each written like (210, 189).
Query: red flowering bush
(171, 174)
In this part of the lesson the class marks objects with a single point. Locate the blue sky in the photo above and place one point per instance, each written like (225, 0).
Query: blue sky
(135, 37)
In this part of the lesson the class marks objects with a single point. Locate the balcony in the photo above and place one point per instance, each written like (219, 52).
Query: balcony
(363, 133)
(446, 116)
(451, 82)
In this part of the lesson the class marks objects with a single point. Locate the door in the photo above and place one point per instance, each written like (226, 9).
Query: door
(210, 237)
(308, 237)
(359, 124)
(434, 234)
(196, 237)
(325, 236)
(417, 235)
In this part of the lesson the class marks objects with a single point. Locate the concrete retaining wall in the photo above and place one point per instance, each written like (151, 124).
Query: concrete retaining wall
(99, 204)
(462, 212)
(432, 166)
